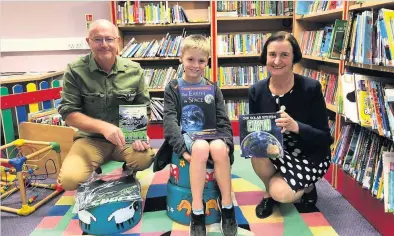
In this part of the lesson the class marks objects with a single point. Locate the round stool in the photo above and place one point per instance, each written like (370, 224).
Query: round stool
(179, 204)
(109, 207)
(180, 173)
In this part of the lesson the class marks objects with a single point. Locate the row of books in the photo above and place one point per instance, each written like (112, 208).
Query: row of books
(132, 12)
(168, 46)
(254, 8)
(242, 43)
(370, 37)
(235, 108)
(159, 78)
(368, 101)
(326, 42)
(360, 152)
(328, 81)
(47, 116)
(307, 7)
(241, 75)
(157, 109)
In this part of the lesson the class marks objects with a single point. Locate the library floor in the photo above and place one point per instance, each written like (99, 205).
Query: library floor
(333, 215)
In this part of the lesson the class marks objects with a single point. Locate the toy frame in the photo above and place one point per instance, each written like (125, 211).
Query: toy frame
(17, 163)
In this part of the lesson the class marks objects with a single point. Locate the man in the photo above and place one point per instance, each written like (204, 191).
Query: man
(93, 88)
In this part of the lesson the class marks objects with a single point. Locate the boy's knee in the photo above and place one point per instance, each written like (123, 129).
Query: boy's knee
(200, 149)
(218, 146)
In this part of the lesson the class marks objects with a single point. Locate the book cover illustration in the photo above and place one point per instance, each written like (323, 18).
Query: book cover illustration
(260, 136)
(133, 121)
(198, 115)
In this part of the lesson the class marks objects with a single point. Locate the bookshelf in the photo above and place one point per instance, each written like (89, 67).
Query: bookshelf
(369, 207)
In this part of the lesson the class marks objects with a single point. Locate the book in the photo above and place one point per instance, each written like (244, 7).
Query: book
(260, 136)
(133, 121)
(198, 115)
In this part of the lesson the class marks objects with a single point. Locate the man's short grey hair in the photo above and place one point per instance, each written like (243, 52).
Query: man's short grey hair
(103, 22)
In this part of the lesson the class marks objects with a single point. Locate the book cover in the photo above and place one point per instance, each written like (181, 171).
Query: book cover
(260, 136)
(133, 121)
(198, 116)
(208, 135)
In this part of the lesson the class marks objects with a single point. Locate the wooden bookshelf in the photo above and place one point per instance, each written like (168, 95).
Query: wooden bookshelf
(326, 16)
(163, 27)
(372, 4)
(234, 87)
(324, 59)
(29, 77)
(154, 90)
(300, 23)
(154, 59)
(371, 67)
(239, 56)
(248, 18)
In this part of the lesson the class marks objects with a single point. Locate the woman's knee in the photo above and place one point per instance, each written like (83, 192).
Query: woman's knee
(280, 191)
(263, 167)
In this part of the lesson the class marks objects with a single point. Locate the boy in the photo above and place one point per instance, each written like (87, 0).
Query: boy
(194, 57)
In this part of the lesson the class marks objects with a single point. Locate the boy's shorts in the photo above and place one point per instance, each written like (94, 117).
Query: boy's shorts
(188, 142)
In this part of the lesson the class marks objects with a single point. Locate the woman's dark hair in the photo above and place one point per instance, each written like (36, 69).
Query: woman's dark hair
(281, 36)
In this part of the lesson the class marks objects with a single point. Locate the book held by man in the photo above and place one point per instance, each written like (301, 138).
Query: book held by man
(198, 115)
(133, 121)
(260, 136)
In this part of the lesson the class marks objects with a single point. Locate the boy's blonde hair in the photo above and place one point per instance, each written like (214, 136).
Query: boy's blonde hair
(196, 41)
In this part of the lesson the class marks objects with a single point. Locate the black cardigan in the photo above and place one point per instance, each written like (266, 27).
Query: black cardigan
(306, 105)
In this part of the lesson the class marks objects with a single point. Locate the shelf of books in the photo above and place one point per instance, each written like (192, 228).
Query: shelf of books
(358, 45)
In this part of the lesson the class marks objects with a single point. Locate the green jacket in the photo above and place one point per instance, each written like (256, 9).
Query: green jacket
(97, 94)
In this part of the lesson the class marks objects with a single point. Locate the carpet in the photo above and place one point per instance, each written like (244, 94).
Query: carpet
(288, 219)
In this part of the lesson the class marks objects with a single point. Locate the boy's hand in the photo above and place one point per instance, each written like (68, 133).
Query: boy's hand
(187, 156)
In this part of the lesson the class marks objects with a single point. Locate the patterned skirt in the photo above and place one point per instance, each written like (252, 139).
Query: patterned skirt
(297, 169)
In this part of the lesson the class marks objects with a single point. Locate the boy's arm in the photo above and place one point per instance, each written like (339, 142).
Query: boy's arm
(222, 119)
(172, 131)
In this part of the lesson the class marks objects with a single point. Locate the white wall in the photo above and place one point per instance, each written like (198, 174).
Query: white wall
(45, 19)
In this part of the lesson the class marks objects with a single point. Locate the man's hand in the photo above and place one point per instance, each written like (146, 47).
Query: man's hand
(113, 134)
(187, 156)
(141, 146)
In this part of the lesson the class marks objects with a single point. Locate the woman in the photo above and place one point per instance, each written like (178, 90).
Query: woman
(304, 124)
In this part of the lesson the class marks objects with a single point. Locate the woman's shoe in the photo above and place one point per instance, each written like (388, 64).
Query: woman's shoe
(311, 197)
(265, 207)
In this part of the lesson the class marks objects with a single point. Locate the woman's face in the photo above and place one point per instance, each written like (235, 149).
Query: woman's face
(279, 58)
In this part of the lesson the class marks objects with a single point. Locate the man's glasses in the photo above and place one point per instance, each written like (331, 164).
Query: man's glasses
(108, 40)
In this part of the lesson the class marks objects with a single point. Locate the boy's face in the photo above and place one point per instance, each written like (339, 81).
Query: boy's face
(194, 62)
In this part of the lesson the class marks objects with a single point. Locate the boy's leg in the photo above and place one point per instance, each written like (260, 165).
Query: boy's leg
(135, 160)
(198, 169)
(85, 155)
(221, 160)
(219, 153)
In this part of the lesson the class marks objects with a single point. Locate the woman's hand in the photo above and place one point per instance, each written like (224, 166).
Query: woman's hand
(287, 123)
